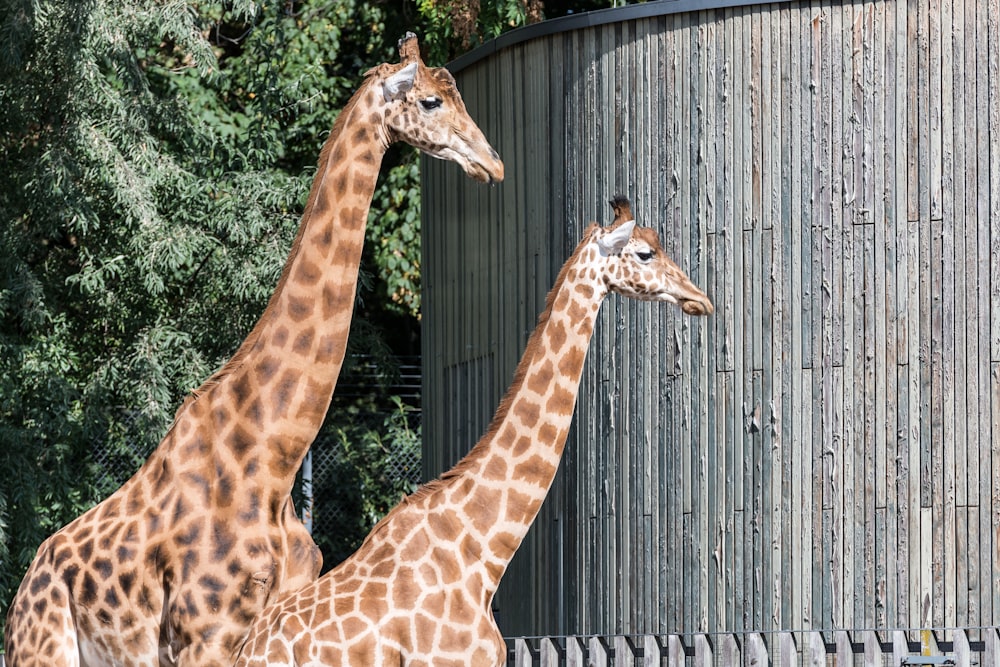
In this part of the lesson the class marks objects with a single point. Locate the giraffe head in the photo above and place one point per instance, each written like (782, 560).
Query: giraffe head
(425, 110)
(637, 267)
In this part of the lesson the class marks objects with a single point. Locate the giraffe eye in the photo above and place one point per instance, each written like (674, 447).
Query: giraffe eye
(645, 255)
(429, 103)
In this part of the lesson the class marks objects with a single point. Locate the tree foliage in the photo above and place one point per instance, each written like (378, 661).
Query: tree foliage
(157, 156)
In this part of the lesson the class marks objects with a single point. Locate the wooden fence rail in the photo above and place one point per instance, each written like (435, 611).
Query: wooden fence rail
(859, 648)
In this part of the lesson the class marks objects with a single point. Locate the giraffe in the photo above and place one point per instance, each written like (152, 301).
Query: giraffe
(418, 591)
(171, 569)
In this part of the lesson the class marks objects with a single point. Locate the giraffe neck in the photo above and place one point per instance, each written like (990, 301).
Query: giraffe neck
(278, 386)
(502, 482)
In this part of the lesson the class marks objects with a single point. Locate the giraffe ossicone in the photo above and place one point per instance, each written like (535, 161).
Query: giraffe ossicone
(172, 568)
(418, 591)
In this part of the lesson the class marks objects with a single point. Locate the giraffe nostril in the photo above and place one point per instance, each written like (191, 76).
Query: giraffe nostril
(493, 152)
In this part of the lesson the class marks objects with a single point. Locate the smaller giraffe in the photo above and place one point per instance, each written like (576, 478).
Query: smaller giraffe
(418, 591)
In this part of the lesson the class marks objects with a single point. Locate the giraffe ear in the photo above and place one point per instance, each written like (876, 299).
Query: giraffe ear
(614, 240)
(396, 86)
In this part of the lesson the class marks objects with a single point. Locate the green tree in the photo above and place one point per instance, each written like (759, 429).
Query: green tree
(157, 157)
(136, 243)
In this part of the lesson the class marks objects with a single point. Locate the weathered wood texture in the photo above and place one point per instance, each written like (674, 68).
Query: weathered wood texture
(823, 452)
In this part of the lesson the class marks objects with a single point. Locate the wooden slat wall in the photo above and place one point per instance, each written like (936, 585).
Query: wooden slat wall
(823, 452)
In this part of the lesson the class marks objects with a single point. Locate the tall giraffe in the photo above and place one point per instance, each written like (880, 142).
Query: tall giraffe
(419, 589)
(172, 568)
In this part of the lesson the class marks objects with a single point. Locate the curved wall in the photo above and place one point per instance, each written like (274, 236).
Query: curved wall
(824, 452)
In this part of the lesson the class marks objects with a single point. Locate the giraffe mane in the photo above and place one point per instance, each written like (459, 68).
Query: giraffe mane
(322, 167)
(530, 350)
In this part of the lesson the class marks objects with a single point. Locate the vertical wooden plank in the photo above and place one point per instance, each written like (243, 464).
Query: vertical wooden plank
(599, 654)
(866, 335)
(777, 252)
(676, 653)
(821, 242)
(886, 220)
(837, 523)
(872, 649)
(548, 652)
(993, 65)
(523, 656)
(915, 372)
(994, 512)
(990, 503)
(576, 652)
(624, 656)
(679, 44)
(842, 318)
(829, 582)
(745, 56)
(718, 158)
(754, 651)
(908, 353)
(787, 653)
(813, 650)
(927, 538)
(845, 300)
(806, 567)
(652, 651)
(702, 652)
(900, 647)
(976, 274)
(876, 53)
(962, 650)
(727, 651)
(796, 314)
(844, 649)
(649, 142)
(958, 86)
(693, 236)
(991, 648)
(950, 193)
(772, 223)
(930, 406)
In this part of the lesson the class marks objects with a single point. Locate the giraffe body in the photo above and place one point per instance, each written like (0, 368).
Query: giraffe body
(172, 568)
(419, 590)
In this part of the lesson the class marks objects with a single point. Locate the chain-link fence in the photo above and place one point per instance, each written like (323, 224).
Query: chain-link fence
(366, 456)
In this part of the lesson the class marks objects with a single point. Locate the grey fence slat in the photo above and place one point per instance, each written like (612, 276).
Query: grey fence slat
(726, 651)
(624, 655)
(755, 653)
(991, 654)
(994, 502)
(523, 656)
(813, 650)
(652, 651)
(676, 651)
(575, 652)
(787, 651)
(872, 649)
(899, 646)
(548, 652)
(963, 652)
(598, 653)
(703, 653)
(844, 650)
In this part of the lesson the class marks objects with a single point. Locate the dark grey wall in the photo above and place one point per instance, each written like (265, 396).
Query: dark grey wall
(824, 452)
